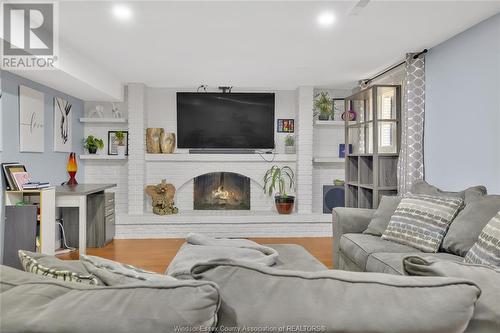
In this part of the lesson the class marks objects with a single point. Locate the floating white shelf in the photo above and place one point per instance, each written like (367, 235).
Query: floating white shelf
(102, 157)
(104, 120)
(340, 123)
(328, 159)
(221, 157)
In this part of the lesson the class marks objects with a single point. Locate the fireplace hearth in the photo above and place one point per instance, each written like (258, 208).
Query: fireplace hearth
(221, 191)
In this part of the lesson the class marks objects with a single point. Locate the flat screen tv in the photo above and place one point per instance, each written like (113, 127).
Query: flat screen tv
(225, 120)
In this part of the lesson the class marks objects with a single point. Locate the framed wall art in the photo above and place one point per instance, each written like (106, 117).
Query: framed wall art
(62, 125)
(286, 125)
(31, 120)
(113, 143)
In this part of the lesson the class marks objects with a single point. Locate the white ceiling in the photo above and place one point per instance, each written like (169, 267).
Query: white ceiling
(265, 44)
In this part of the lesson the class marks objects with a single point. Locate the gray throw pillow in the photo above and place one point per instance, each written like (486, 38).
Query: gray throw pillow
(265, 299)
(113, 273)
(466, 227)
(486, 317)
(421, 221)
(65, 270)
(486, 251)
(422, 187)
(382, 216)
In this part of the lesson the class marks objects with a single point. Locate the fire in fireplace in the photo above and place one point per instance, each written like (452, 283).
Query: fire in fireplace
(221, 191)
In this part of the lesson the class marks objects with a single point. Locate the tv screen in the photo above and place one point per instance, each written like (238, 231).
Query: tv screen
(231, 120)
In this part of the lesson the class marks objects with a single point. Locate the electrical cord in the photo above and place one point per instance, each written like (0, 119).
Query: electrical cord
(65, 245)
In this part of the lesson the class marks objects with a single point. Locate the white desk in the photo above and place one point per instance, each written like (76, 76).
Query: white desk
(76, 196)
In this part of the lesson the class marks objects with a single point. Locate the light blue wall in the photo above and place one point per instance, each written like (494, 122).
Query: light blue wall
(49, 165)
(462, 121)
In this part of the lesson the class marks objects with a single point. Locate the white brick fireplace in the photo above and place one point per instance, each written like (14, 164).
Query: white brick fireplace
(155, 107)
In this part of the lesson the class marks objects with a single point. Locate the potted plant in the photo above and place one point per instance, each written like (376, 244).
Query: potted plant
(289, 144)
(120, 141)
(275, 180)
(92, 144)
(323, 105)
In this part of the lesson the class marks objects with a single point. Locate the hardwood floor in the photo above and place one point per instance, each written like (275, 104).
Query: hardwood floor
(156, 254)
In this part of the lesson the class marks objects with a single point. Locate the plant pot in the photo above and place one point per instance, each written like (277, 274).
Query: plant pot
(289, 149)
(284, 204)
(92, 150)
(120, 150)
(324, 116)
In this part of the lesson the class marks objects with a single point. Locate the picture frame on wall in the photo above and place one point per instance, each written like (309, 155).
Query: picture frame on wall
(31, 120)
(338, 108)
(62, 125)
(286, 126)
(112, 144)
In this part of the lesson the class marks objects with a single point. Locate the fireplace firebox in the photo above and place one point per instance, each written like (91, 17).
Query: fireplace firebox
(221, 191)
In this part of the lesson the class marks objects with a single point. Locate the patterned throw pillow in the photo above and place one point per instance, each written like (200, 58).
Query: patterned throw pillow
(486, 251)
(421, 221)
(32, 265)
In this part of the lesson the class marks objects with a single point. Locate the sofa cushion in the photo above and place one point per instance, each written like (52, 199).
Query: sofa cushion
(32, 303)
(266, 299)
(486, 251)
(421, 221)
(466, 227)
(358, 247)
(382, 216)
(65, 270)
(114, 273)
(422, 187)
(486, 317)
(392, 263)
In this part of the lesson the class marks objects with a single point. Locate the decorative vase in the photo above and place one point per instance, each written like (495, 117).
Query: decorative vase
(351, 115)
(121, 150)
(153, 140)
(167, 142)
(284, 204)
(92, 150)
(289, 149)
(72, 168)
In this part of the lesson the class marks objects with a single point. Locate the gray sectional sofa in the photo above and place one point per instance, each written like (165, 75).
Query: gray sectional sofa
(359, 247)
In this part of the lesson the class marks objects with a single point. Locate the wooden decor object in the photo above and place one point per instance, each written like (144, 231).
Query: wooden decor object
(163, 198)
(167, 142)
(153, 140)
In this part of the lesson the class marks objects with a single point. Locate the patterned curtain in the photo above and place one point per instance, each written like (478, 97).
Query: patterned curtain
(411, 156)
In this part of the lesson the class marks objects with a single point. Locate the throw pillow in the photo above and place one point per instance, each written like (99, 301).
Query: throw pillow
(422, 187)
(466, 227)
(66, 270)
(382, 216)
(486, 317)
(486, 251)
(421, 221)
(113, 273)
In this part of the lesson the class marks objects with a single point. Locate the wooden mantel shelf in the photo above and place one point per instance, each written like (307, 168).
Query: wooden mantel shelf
(221, 157)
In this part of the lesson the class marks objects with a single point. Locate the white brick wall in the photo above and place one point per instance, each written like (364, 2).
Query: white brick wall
(304, 148)
(136, 162)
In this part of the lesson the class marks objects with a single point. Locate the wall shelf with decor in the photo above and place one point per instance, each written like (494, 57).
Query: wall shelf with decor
(371, 168)
(328, 159)
(331, 123)
(102, 157)
(103, 120)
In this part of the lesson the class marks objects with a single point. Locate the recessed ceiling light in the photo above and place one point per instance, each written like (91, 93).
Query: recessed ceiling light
(122, 12)
(326, 19)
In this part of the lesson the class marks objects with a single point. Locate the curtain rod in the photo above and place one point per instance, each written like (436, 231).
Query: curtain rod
(415, 56)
